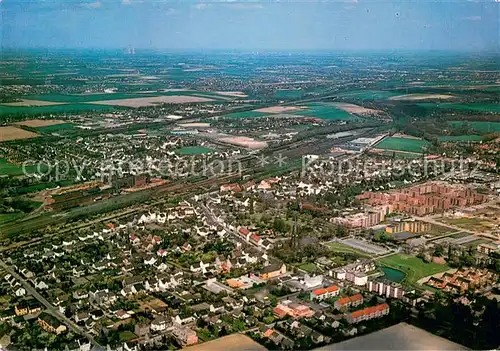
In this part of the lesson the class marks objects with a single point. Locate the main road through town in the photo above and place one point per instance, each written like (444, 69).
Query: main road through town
(50, 308)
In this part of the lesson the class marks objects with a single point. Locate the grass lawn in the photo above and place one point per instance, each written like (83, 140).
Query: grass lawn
(403, 144)
(127, 336)
(471, 223)
(336, 246)
(414, 268)
(459, 235)
(308, 267)
(474, 243)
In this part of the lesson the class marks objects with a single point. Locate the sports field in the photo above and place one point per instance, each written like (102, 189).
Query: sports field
(403, 144)
(412, 266)
(338, 247)
(193, 150)
(364, 246)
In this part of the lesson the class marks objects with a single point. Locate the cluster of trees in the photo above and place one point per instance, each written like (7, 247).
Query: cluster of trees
(475, 326)
(17, 204)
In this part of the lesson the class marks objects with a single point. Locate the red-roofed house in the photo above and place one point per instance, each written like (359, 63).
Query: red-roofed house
(255, 238)
(161, 253)
(250, 185)
(156, 240)
(134, 239)
(293, 310)
(325, 293)
(280, 312)
(244, 232)
(230, 187)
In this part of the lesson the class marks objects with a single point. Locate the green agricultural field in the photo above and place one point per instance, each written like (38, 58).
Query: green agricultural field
(456, 106)
(482, 127)
(193, 150)
(368, 94)
(289, 94)
(246, 114)
(403, 144)
(11, 169)
(82, 98)
(324, 111)
(44, 110)
(55, 128)
(414, 268)
(457, 138)
(9, 217)
(42, 186)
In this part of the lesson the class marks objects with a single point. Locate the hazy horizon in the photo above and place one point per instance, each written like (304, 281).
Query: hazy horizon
(270, 25)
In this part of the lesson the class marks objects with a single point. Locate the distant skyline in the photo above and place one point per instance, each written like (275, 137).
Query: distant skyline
(252, 25)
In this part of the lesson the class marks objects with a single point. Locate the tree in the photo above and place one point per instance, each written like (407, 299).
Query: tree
(438, 251)
(279, 225)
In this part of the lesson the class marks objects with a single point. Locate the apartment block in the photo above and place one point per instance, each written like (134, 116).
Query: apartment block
(368, 313)
(350, 301)
(325, 293)
(426, 198)
(386, 288)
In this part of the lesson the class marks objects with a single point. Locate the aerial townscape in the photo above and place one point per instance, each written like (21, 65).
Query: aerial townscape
(164, 184)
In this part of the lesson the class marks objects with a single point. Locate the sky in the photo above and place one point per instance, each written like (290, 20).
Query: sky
(278, 25)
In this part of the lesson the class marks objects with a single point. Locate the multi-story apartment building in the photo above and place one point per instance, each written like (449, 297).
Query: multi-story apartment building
(366, 219)
(350, 301)
(325, 293)
(368, 313)
(386, 288)
(426, 198)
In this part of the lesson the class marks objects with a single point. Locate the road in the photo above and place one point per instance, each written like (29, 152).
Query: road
(214, 219)
(50, 308)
